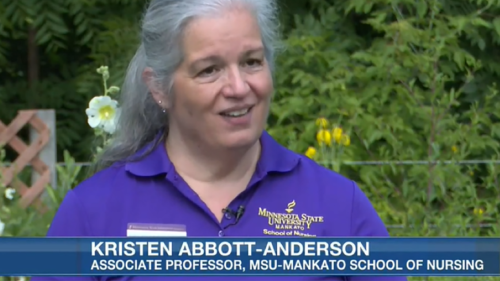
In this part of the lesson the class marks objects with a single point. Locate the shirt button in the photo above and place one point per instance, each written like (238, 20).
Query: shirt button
(228, 216)
(221, 233)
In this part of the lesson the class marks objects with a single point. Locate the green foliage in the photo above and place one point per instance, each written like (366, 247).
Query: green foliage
(31, 221)
(71, 38)
(413, 82)
(403, 95)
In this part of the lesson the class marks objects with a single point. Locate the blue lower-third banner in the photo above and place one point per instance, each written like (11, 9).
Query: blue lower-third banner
(250, 256)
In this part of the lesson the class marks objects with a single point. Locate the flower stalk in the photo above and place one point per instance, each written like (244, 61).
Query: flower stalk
(103, 111)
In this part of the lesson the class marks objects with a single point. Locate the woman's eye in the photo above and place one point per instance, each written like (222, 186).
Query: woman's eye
(254, 62)
(208, 71)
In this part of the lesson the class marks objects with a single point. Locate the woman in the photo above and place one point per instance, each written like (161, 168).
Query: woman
(192, 143)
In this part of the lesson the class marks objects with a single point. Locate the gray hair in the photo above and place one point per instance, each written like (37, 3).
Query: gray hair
(142, 120)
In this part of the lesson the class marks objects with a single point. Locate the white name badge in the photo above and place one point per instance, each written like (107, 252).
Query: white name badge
(156, 230)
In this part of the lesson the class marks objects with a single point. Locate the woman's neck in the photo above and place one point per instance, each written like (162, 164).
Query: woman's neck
(199, 162)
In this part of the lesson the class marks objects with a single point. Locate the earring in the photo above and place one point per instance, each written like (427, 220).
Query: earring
(163, 109)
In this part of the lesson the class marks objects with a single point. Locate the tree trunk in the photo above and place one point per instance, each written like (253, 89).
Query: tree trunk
(33, 68)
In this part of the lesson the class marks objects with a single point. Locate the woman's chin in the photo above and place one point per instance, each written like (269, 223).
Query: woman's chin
(240, 140)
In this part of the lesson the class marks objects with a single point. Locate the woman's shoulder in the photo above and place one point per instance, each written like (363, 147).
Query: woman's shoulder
(339, 197)
(300, 168)
(89, 208)
(102, 181)
(104, 188)
(323, 178)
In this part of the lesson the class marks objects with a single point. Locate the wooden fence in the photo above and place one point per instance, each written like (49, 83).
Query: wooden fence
(39, 154)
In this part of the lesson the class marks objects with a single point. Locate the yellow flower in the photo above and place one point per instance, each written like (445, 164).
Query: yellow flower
(322, 123)
(324, 137)
(346, 140)
(311, 152)
(471, 173)
(454, 149)
(478, 211)
(337, 134)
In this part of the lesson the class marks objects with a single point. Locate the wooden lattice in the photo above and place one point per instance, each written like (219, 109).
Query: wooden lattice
(27, 155)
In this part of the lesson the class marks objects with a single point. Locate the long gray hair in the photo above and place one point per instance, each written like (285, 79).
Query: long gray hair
(142, 120)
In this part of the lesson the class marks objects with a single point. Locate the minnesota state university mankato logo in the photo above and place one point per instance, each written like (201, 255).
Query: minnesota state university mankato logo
(289, 223)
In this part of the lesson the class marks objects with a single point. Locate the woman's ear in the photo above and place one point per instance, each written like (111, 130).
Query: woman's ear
(155, 88)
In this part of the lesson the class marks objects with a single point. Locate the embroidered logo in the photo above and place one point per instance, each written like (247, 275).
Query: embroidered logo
(289, 223)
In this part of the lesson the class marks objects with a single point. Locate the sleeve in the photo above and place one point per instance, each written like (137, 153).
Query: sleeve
(69, 221)
(365, 222)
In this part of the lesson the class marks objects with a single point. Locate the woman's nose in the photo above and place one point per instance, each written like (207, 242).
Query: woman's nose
(237, 86)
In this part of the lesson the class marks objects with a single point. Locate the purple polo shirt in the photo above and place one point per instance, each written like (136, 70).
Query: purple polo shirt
(150, 191)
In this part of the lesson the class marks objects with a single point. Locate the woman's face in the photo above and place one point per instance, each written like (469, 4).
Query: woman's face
(223, 87)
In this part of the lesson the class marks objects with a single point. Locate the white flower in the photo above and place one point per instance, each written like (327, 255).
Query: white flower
(2, 227)
(103, 112)
(9, 193)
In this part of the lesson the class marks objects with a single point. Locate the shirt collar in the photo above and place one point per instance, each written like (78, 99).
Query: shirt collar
(274, 158)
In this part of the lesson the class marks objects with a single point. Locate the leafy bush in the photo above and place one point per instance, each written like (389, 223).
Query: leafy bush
(35, 220)
(402, 98)
(417, 100)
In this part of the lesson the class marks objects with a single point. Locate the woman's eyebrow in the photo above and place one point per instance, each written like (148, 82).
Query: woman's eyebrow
(254, 50)
(218, 59)
(209, 59)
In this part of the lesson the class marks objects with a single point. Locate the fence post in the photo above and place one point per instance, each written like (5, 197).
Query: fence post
(49, 153)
